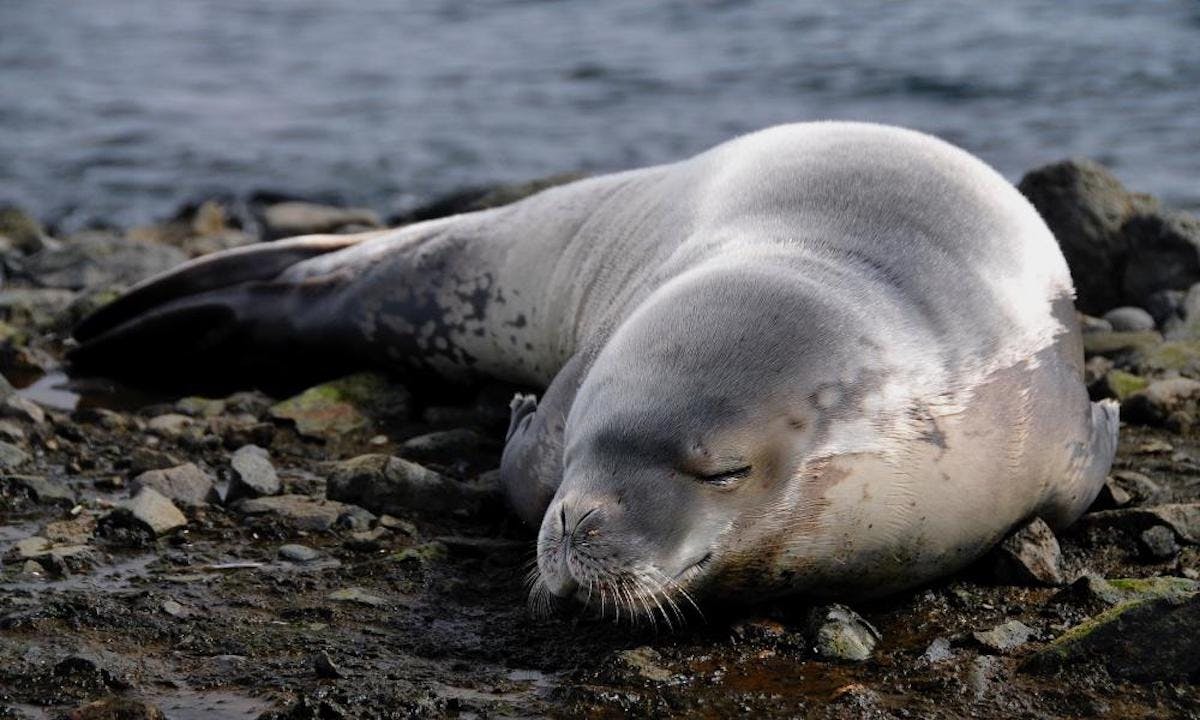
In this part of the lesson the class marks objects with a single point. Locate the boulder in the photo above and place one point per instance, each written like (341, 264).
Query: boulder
(1164, 254)
(153, 511)
(254, 475)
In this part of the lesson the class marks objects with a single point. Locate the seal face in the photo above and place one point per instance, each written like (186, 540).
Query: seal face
(830, 358)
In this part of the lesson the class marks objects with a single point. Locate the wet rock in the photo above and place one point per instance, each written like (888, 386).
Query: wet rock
(1086, 207)
(447, 446)
(76, 531)
(1183, 519)
(286, 219)
(254, 475)
(1129, 319)
(22, 229)
(646, 662)
(184, 484)
(1030, 556)
(298, 553)
(12, 456)
(357, 596)
(839, 633)
(1142, 640)
(1158, 543)
(169, 425)
(116, 708)
(298, 511)
(42, 490)
(150, 509)
(1155, 404)
(391, 485)
(343, 406)
(1005, 637)
(99, 259)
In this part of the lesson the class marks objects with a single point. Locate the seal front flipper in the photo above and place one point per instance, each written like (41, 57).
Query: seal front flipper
(222, 318)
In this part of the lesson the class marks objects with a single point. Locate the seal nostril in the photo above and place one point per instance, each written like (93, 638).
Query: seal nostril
(562, 519)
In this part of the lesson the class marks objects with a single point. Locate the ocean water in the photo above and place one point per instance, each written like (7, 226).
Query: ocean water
(119, 110)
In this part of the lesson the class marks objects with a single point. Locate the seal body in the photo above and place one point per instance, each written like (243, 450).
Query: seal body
(828, 358)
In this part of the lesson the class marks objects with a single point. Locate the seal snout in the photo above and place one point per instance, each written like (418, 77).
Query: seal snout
(568, 556)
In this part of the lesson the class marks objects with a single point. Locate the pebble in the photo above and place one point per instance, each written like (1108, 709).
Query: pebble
(1129, 319)
(839, 633)
(938, 651)
(185, 484)
(1030, 556)
(357, 596)
(170, 425)
(254, 475)
(1005, 637)
(298, 553)
(154, 511)
(1158, 543)
(646, 662)
(299, 511)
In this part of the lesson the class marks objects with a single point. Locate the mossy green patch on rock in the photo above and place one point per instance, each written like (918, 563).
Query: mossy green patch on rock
(1182, 356)
(1121, 384)
(423, 554)
(342, 406)
(1109, 344)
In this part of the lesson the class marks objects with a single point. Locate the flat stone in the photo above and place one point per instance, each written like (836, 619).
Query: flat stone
(170, 425)
(286, 219)
(298, 553)
(357, 596)
(76, 531)
(839, 633)
(254, 475)
(1030, 556)
(391, 485)
(154, 511)
(646, 662)
(31, 547)
(1183, 519)
(300, 511)
(1005, 637)
(12, 456)
(1141, 640)
(185, 484)
(42, 490)
(1141, 489)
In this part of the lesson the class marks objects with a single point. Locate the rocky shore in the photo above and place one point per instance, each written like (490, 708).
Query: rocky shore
(341, 551)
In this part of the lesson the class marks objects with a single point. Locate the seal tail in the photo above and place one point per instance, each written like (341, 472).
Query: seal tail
(1089, 466)
(222, 318)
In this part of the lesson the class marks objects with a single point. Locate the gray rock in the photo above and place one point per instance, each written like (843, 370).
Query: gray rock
(12, 456)
(298, 553)
(170, 425)
(325, 667)
(839, 633)
(1086, 209)
(149, 508)
(185, 484)
(1142, 640)
(254, 475)
(357, 596)
(1030, 556)
(1157, 403)
(1158, 543)
(646, 662)
(299, 511)
(1005, 637)
(446, 446)
(36, 308)
(1183, 519)
(1164, 254)
(938, 651)
(286, 219)
(1141, 489)
(1129, 319)
(1167, 309)
(982, 675)
(100, 259)
(43, 490)
(1111, 496)
(391, 485)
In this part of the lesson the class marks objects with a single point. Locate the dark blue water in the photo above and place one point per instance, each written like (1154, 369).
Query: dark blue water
(120, 109)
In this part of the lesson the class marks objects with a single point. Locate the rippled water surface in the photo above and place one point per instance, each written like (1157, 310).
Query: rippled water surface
(120, 109)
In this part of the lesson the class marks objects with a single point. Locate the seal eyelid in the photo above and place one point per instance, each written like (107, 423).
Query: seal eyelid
(725, 477)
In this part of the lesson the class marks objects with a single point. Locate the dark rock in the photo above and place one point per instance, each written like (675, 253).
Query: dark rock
(1086, 208)
(1167, 308)
(287, 219)
(144, 459)
(646, 662)
(1005, 637)
(325, 667)
(1141, 489)
(1142, 640)
(254, 475)
(1158, 543)
(384, 484)
(185, 484)
(1164, 254)
(151, 510)
(98, 260)
(1130, 319)
(42, 490)
(1111, 496)
(839, 633)
(1029, 556)
(1183, 519)
(23, 230)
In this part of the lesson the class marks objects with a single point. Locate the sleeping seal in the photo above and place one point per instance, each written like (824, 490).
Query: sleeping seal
(835, 359)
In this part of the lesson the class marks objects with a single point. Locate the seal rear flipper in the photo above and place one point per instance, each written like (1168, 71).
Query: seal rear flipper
(1088, 468)
(222, 321)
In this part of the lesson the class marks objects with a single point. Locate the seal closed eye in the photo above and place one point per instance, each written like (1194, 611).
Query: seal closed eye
(872, 331)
